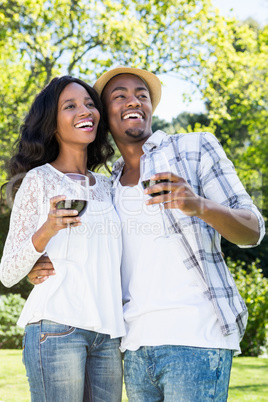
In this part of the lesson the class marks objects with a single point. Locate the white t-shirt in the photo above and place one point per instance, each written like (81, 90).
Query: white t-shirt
(163, 302)
(86, 290)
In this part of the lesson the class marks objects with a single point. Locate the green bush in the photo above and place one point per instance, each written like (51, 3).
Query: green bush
(10, 309)
(253, 287)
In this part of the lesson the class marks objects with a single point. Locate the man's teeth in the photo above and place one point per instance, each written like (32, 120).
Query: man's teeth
(132, 115)
(84, 124)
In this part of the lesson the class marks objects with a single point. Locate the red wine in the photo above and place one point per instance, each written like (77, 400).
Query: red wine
(149, 183)
(78, 205)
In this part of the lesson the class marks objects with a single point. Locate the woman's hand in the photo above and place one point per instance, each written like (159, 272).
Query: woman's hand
(57, 219)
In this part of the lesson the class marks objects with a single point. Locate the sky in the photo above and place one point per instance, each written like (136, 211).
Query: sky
(172, 102)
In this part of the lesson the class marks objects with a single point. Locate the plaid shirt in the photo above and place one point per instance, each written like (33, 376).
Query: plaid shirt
(201, 161)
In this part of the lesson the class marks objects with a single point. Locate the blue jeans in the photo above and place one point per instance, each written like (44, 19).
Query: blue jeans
(177, 374)
(69, 364)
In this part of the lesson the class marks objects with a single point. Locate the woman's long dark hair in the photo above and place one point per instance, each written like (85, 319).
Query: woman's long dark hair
(37, 143)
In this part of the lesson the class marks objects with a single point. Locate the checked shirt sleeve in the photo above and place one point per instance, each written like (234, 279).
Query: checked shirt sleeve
(220, 181)
(19, 254)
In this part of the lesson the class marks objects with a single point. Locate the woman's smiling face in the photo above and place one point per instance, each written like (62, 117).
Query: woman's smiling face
(77, 117)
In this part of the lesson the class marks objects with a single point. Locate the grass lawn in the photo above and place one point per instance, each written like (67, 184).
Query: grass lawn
(248, 379)
(13, 382)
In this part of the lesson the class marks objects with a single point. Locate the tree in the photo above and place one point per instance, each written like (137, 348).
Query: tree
(40, 39)
(185, 122)
(159, 124)
(235, 87)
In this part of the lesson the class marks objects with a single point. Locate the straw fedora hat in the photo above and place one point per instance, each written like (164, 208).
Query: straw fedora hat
(153, 83)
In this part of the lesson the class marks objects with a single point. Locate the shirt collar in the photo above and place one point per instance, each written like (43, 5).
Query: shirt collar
(153, 141)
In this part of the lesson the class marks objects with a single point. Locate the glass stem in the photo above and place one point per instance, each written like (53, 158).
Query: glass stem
(68, 234)
(162, 208)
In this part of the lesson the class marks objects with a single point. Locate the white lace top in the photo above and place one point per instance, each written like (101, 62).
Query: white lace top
(86, 290)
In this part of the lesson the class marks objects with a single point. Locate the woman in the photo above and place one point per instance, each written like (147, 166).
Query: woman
(73, 321)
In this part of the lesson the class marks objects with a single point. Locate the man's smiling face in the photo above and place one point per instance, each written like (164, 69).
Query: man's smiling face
(128, 105)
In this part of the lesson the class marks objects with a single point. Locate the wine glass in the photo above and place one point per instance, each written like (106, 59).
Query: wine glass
(156, 162)
(76, 189)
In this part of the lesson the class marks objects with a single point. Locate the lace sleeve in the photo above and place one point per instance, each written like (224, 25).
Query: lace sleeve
(19, 254)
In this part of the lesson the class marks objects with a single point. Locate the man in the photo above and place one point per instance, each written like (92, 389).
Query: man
(184, 316)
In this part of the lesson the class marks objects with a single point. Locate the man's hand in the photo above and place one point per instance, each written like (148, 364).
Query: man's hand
(41, 271)
(237, 225)
(179, 194)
